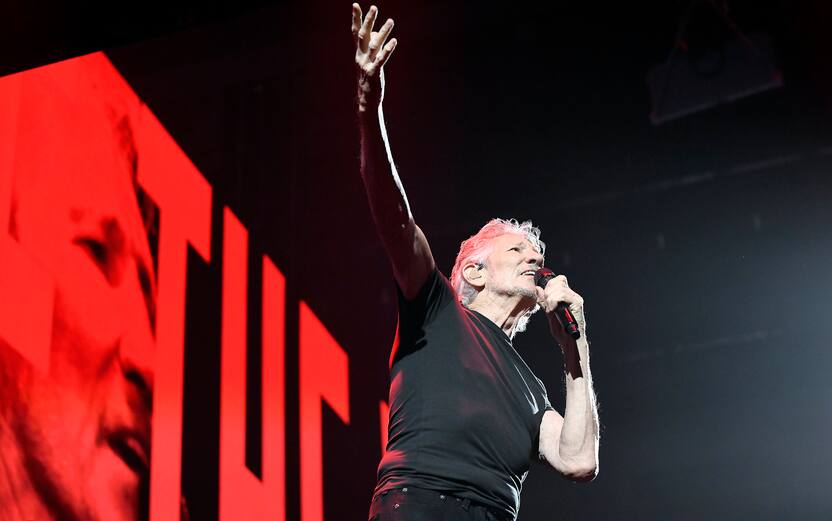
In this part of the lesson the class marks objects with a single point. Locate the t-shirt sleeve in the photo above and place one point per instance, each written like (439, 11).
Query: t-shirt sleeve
(417, 313)
(434, 295)
(546, 406)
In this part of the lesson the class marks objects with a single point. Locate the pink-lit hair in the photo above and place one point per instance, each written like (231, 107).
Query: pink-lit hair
(478, 247)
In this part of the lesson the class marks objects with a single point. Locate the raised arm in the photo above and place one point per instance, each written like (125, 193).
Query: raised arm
(404, 242)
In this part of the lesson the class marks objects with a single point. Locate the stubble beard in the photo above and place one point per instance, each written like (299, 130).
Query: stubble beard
(529, 295)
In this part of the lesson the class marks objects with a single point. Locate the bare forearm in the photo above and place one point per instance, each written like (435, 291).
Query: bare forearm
(405, 243)
(385, 192)
(579, 436)
(386, 195)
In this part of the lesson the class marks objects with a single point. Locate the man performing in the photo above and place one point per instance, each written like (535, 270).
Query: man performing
(466, 412)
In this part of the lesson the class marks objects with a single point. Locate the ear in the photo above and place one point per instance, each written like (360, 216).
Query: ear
(474, 274)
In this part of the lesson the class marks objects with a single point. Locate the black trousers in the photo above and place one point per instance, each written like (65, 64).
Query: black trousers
(416, 504)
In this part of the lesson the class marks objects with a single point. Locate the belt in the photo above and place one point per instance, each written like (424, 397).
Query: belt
(464, 502)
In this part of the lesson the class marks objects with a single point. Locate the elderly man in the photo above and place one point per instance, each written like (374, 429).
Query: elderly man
(74, 436)
(466, 412)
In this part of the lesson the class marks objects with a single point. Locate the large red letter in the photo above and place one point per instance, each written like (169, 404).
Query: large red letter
(242, 495)
(184, 199)
(324, 376)
(274, 388)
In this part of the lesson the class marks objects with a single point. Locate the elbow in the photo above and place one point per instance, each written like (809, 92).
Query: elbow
(581, 471)
(582, 475)
(580, 465)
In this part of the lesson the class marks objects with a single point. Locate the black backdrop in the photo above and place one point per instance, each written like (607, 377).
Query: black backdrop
(700, 246)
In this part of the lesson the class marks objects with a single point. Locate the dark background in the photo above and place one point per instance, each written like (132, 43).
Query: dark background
(700, 245)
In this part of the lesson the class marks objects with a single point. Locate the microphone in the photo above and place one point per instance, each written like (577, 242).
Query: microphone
(542, 277)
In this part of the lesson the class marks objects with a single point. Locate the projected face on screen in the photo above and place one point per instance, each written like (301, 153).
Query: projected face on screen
(75, 439)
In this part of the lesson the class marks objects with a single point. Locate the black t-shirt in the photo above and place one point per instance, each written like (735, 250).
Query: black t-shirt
(465, 409)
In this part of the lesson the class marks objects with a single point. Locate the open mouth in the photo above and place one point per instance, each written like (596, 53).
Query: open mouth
(528, 273)
(129, 447)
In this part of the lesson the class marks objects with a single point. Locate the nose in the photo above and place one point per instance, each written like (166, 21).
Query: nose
(139, 377)
(535, 258)
(137, 347)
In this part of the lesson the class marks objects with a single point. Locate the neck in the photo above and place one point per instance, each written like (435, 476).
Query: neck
(505, 311)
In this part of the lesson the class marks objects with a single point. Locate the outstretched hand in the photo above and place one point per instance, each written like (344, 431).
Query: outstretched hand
(371, 54)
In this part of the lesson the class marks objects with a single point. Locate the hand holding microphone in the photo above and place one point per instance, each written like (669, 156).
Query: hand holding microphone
(541, 278)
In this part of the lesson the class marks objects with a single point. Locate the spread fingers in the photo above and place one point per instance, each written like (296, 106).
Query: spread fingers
(385, 53)
(377, 40)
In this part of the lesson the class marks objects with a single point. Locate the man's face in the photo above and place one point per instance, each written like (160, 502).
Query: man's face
(511, 266)
(84, 428)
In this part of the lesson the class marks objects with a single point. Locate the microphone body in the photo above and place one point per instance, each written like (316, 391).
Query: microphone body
(542, 277)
